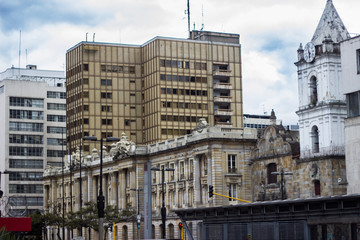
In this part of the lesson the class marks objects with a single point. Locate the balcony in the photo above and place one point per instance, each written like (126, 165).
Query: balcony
(225, 86)
(223, 112)
(222, 73)
(226, 99)
(323, 152)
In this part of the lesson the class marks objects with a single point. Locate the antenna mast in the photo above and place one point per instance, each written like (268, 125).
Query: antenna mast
(188, 13)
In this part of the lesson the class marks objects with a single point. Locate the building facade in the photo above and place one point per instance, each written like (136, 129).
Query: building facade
(350, 61)
(32, 118)
(215, 156)
(155, 91)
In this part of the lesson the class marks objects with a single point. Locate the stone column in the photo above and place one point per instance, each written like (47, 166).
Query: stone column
(122, 187)
(113, 188)
(197, 181)
(76, 194)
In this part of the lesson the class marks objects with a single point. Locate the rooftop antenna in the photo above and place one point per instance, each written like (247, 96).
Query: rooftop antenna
(19, 52)
(202, 18)
(94, 37)
(188, 15)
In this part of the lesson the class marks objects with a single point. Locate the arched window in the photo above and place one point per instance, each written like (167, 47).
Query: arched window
(315, 139)
(271, 167)
(313, 91)
(125, 232)
(171, 231)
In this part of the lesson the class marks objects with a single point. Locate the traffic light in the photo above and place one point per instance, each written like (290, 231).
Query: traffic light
(180, 225)
(211, 191)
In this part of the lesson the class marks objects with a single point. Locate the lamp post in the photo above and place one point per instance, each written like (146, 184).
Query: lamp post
(63, 191)
(282, 173)
(101, 198)
(163, 209)
(138, 209)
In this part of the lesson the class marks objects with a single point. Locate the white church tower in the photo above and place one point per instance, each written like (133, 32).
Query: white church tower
(322, 106)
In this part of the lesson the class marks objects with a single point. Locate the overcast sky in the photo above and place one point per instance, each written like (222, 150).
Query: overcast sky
(270, 33)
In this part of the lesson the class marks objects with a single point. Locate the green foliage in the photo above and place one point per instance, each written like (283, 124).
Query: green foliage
(7, 235)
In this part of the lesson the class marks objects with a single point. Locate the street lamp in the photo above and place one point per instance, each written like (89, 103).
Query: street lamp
(282, 173)
(163, 209)
(101, 198)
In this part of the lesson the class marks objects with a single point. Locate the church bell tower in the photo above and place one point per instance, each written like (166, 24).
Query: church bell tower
(322, 106)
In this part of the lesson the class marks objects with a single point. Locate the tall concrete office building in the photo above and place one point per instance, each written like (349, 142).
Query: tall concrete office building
(32, 119)
(155, 91)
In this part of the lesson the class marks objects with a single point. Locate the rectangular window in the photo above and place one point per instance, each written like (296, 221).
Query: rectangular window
(106, 95)
(106, 134)
(25, 151)
(353, 104)
(26, 127)
(56, 106)
(231, 163)
(232, 192)
(56, 142)
(106, 82)
(86, 107)
(86, 67)
(106, 121)
(56, 130)
(56, 118)
(26, 102)
(55, 153)
(26, 188)
(28, 139)
(105, 108)
(59, 95)
(25, 114)
(25, 176)
(358, 61)
(26, 163)
(182, 170)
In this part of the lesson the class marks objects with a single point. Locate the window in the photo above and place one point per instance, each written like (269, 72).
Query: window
(106, 121)
(353, 104)
(56, 142)
(59, 95)
(56, 118)
(271, 167)
(315, 139)
(127, 122)
(317, 188)
(26, 188)
(106, 95)
(26, 102)
(56, 130)
(106, 134)
(25, 176)
(231, 163)
(86, 67)
(232, 191)
(56, 106)
(182, 170)
(313, 91)
(26, 163)
(24, 114)
(86, 121)
(86, 81)
(29, 139)
(358, 61)
(106, 82)
(25, 151)
(27, 127)
(86, 107)
(55, 153)
(28, 201)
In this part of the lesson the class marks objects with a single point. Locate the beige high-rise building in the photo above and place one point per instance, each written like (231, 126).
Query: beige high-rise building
(155, 91)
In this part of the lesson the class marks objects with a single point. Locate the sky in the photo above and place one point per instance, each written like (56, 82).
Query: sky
(270, 34)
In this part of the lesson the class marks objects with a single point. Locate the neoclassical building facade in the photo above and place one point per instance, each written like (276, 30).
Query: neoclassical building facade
(217, 156)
